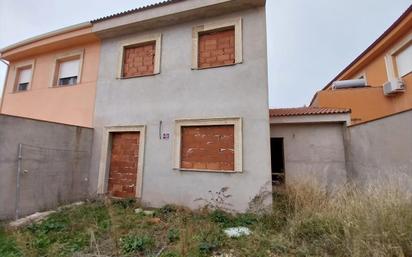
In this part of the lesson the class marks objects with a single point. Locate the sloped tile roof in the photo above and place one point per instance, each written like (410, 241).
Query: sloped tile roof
(306, 111)
(135, 10)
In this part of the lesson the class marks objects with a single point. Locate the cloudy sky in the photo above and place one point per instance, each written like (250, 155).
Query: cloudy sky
(309, 41)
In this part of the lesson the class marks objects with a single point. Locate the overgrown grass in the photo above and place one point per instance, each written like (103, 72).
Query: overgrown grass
(304, 222)
(8, 247)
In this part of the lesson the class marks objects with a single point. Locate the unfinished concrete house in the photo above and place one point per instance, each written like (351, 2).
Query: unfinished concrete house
(180, 111)
(182, 103)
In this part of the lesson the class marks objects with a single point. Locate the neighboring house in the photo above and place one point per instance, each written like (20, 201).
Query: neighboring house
(387, 61)
(182, 103)
(53, 77)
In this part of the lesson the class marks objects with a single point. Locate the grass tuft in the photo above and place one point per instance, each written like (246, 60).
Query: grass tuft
(8, 246)
(136, 243)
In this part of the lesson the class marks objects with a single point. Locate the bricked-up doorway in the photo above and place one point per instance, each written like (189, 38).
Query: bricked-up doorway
(124, 159)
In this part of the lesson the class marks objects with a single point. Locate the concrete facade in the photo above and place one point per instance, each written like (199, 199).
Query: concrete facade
(63, 163)
(55, 164)
(179, 92)
(380, 151)
(314, 153)
(322, 150)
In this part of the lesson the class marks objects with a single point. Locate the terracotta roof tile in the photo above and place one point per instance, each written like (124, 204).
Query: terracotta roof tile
(306, 111)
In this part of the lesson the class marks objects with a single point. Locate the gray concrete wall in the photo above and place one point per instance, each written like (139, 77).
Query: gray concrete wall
(314, 153)
(180, 92)
(381, 151)
(377, 153)
(52, 176)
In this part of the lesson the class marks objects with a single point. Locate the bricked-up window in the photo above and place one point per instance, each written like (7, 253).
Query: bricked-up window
(217, 48)
(140, 56)
(139, 60)
(217, 44)
(208, 147)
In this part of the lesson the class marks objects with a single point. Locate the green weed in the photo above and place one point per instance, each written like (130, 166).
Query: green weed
(173, 235)
(8, 246)
(136, 243)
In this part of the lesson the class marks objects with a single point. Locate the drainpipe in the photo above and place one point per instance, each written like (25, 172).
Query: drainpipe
(350, 173)
(4, 84)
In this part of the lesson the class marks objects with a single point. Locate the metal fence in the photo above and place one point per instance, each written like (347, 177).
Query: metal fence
(48, 177)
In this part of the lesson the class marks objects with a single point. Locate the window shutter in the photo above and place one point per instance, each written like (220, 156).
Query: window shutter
(69, 69)
(24, 76)
(404, 61)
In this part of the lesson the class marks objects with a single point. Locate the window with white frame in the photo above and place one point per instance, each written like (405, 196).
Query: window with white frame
(213, 145)
(68, 71)
(68, 68)
(23, 78)
(399, 60)
(217, 44)
(404, 60)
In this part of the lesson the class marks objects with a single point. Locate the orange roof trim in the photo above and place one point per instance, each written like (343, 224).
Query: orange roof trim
(306, 111)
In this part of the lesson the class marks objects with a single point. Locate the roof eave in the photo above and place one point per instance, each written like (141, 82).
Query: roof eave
(173, 12)
(343, 118)
(45, 36)
(139, 9)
